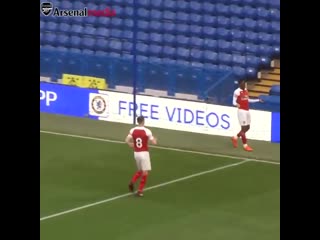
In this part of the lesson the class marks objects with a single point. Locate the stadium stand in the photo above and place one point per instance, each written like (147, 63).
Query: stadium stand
(215, 37)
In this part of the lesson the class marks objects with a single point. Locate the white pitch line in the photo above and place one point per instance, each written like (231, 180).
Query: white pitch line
(146, 189)
(164, 148)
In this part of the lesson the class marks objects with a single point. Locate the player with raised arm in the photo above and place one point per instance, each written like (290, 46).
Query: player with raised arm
(138, 139)
(241, 100)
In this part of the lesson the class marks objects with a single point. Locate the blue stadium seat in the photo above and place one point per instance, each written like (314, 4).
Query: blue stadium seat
(196, 42)
(127, 34)
(251, 73)
(224, 67)
(127, 56)
(170, 5)
(265, 50)
(142, 59)
(262, 13)
(276, 50)
(156, 26)
(195, 19)
(63, 40)
(275, 27)
(208, 7)
(196, 55)
(238, 60)
(236, 23)
(236, 11)
(104, 22)
(156, 14)
(274, 4)
(127, 46)
(101, 44)
(209, 32)
(248, 2)
(76, 29)
(116, 22)
(64, 27)
(249, 24)
(261, 3)
(250, 12)
(142, 48)
(142, 36)
(225, 58)
(115, 46)
(196, 64)
(66, 5)
(168, 15)
(128, 23)
(49, 47)
(115, 33)
(119, 10)
(210, 66)
(168, 39)
(239, 72)
(42, 24)
(168, 61)
(127, 13)
(50, 38)
(223, 22)
(90, 20)
(223, 33)
(187, 82)
(264, 38)
(183, 53)
(157, 4)
(182, 17)
(275, 39)
(51, 26)
(237, 2)
(210, 21)
(222, 9)
(182, 28)
(210, 57)
(89, 30)
(182, 40)
(76, 20)
(62, 49)
(238, 47)
(78, 5)
(102, 32)
(115, 55)
(155, 38)
(101, 53)
(252, 61)
(195, 6)
(155, 60)
(195, 30)
(274, 15)
(155, 50)
(75, 41)
(265, 61)
(143, 3)
(88, 43)
(169, 27)
(143, 25)
(182, 6)
(263, 26)
(169, 52)
(210, 44)
(237, 35)
(275, 90)
(251, 36)
(41, 38)
(224, 46)
(88, 52)
(143, 13)
(251, 48)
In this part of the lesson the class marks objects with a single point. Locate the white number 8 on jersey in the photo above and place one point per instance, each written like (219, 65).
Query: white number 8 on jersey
(139, 143)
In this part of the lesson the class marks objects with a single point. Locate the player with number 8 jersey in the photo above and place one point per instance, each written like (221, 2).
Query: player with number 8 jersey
(138, 139)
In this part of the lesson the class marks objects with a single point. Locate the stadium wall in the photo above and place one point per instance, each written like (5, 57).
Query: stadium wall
(160, 112)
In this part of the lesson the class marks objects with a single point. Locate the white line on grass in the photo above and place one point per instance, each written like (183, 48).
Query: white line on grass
(146, 189)
(165, 148)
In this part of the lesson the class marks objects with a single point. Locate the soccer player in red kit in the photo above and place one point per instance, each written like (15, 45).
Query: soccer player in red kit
(241, 100)
(138, 139)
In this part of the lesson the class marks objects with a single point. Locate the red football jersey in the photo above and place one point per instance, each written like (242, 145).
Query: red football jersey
(242, 98)
(141, 137)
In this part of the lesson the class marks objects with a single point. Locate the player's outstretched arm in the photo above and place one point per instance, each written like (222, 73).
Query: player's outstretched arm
(255, 100)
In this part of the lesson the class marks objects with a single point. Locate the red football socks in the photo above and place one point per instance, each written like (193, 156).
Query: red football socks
(243, 137)
(136, 176)
(142, 183)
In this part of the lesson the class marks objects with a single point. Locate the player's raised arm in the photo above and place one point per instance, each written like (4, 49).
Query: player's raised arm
(254, 100)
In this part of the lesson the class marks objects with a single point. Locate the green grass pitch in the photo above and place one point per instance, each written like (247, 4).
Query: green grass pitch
(190, 195)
